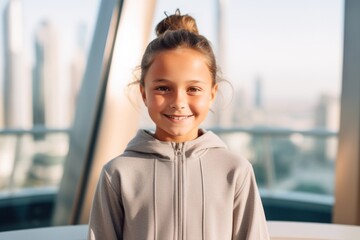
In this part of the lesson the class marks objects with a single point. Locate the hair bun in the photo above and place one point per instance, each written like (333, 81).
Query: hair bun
(176, 22)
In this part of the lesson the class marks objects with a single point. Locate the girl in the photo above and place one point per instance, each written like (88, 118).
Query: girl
(179, 182)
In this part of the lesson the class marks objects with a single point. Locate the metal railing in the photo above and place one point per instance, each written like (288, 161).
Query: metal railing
(269, 153)
(266, 134)
(278, 132)
(18, 144)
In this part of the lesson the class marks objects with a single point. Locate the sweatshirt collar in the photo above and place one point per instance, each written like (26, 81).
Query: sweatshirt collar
(144, 142)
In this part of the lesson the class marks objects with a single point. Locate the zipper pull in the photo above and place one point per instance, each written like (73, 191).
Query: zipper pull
(177, 149)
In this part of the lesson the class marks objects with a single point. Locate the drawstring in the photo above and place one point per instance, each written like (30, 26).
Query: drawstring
(155, 208)
(203, 200)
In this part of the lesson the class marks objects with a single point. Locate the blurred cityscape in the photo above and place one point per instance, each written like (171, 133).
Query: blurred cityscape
(37, 101)
(291, 144)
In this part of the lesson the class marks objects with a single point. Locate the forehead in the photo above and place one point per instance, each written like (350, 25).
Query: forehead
(179, 64)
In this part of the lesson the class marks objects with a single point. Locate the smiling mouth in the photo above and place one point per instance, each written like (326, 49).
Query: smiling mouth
(177, 117)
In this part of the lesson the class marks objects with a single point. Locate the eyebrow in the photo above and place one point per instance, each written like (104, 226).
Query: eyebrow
(161, 80)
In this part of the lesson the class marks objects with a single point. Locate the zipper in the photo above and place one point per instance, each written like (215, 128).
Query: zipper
(177, 149)
(180, 190)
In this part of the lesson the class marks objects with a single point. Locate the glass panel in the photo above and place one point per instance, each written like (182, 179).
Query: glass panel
(299, 161)
(29, 162)
(42, 60)
(284, 61)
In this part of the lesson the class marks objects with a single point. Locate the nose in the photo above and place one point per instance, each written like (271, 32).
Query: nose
(178, 101)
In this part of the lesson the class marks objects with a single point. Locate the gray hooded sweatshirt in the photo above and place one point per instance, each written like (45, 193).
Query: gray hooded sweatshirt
(196, 190)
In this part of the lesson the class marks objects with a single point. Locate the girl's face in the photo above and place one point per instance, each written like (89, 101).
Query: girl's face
(178, 93)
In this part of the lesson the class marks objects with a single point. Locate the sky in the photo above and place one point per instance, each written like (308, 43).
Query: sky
(66, 16)
(62, 14)
(294, 47)
(293, 44)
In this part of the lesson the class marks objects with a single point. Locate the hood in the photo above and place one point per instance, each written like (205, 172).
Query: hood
(144, 142)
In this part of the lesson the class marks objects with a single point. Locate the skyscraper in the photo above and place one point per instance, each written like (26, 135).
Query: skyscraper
(78, 63)
(258, 96)
(327, 112)
(1, 96)
(17, 85)
(47, 86)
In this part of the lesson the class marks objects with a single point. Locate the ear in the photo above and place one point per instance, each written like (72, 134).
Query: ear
(143, 94)
(214, 90)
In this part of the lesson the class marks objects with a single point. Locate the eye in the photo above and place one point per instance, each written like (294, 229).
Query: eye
(162, 89)
(194, 90)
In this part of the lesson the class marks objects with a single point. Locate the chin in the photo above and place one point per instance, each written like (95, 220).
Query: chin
(180, 133)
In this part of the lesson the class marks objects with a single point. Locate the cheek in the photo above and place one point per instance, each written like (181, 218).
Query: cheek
(203, 103)
(156, 102)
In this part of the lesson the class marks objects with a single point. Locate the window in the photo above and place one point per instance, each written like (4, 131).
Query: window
(282, 58)
(44, 52)
(285, 60)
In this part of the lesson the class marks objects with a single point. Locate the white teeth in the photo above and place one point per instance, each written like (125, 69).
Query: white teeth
(178, 117)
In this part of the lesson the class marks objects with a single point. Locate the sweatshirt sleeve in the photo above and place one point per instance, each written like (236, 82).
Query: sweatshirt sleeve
(249, 220)
(107, 213)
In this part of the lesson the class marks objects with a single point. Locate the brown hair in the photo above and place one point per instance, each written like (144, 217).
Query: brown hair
(176, 31)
